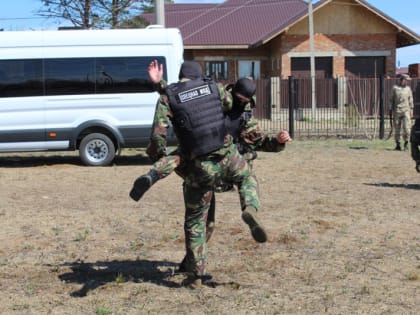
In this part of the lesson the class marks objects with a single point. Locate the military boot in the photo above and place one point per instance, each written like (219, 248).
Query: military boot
(397, 146)
(250, 217)
(406, 146)
(143, 183)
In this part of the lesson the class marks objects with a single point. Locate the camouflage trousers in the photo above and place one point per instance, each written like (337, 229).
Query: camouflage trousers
(202, 174)
(402, 122)
(166, 165)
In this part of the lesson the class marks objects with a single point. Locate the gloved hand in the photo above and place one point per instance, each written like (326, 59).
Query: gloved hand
(283, 136)
(418, 166)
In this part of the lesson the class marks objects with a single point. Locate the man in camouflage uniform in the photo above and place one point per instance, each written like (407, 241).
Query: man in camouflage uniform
(415, 143)
(247, 135)
(194, 107)
(401, 107)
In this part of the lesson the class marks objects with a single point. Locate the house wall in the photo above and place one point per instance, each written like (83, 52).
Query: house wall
(233, 56)
(341, 29)
(339, 47)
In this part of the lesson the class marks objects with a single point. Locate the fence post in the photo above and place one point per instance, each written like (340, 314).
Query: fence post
(292, 105)
(381, 107)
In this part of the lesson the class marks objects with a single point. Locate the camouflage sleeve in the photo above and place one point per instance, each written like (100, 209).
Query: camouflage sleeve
(161, 121)
(160, 87)
(225, 97)
(254, 139)
(392, 99)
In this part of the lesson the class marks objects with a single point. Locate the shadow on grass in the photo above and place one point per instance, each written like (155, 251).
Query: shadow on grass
(390, 185)
(95, 275)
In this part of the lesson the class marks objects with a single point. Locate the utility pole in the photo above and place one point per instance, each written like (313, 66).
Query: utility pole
(160, 12)
(312, 56)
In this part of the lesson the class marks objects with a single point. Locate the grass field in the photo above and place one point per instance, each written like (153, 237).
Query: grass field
(343, 219)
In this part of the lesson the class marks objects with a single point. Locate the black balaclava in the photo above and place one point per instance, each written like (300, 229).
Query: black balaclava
(190, 70)
(245, 87)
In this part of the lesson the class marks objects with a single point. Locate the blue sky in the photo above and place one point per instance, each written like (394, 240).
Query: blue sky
(21, 15)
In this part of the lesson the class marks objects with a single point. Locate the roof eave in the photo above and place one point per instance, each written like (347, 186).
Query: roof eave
(415, 38)
(412, 37)
(216, 46)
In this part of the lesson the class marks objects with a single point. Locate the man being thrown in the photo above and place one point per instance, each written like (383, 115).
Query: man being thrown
(245, 131)
(209, 154)
(247, 135)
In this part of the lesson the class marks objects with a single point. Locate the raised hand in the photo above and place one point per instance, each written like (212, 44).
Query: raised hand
(155, 71)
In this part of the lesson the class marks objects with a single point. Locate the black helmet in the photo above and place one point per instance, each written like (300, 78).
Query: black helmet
(245, 87)
(190, 70)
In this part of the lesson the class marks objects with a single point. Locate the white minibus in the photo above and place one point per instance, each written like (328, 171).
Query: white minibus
(85, 90)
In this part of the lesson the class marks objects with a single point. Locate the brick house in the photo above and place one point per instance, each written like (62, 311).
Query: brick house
(270, 38)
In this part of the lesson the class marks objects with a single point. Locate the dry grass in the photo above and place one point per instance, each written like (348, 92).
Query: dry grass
(343, 221)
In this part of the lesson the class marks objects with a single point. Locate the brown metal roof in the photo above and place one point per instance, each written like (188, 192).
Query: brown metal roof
(231, 23)
(247, 23)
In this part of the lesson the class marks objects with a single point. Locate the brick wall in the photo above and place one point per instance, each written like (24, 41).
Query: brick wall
(340, 46)
(337, 46)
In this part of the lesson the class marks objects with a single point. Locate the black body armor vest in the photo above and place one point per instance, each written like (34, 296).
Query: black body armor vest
(236, 121)
(198, 118)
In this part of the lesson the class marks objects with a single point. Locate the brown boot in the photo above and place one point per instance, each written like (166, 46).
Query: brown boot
(250, 217)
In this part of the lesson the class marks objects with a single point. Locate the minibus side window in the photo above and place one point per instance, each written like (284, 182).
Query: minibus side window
(124, 74)
(21, 77)
(66, 76)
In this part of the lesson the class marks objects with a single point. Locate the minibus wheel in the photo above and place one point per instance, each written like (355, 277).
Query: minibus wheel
(96, 149)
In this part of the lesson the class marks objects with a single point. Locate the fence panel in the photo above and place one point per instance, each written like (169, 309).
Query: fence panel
(357, 117)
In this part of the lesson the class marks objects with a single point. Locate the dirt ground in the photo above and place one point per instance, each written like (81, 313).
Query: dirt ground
(344, 237)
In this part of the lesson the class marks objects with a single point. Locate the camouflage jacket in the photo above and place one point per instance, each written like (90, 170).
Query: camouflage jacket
(252, 138)
(401, 99)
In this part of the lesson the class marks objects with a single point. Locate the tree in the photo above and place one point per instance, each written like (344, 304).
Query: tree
(89, 14)
(114, 12)
(78, 12)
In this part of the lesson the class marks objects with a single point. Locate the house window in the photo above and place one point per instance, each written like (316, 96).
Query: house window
(249, 68)
(217, 70)
(301, 67)
(365, 67)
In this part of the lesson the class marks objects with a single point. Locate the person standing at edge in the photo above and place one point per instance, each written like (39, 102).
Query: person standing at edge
(415, 143)
(401, 107)
(194, 107)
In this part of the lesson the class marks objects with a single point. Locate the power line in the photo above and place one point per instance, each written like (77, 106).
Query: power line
(21, 18)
